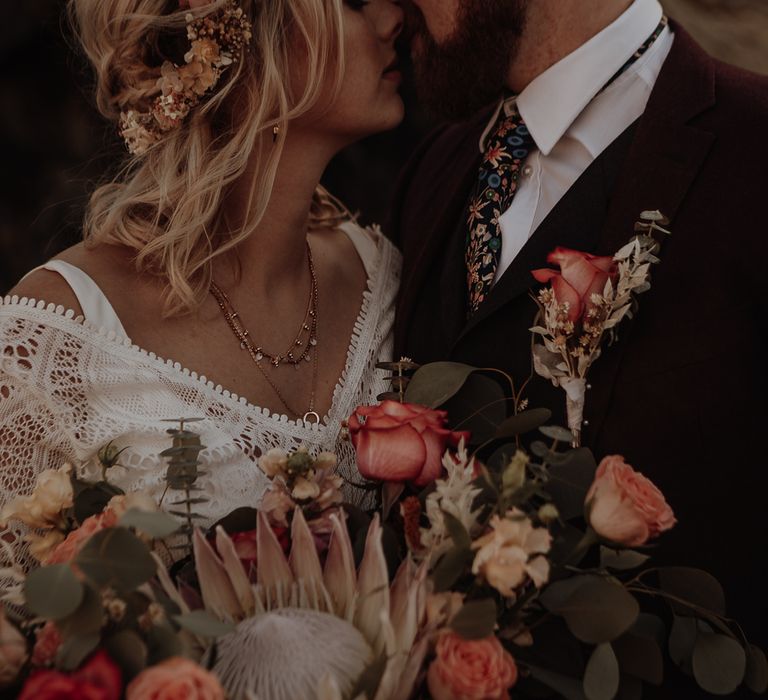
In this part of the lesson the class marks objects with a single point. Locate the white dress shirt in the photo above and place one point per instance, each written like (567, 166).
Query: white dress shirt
(573, 119)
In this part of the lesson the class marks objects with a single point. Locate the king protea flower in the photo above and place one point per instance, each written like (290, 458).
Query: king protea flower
(349, 618)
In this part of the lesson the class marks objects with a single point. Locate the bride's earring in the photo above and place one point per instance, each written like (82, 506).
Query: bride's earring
(275, 132)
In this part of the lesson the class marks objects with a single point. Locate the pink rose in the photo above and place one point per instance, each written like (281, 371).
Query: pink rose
(401, 441)
(68, 549)
(98, 679)
(471, 669)
(624, 506)
(581, 275)
(175, 679)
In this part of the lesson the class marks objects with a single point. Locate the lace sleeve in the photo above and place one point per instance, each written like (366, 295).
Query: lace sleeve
(31, 436)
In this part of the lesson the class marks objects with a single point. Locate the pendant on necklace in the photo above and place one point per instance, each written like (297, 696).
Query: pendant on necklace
(311, 414)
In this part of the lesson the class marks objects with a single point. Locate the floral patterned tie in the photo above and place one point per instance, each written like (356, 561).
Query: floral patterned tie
(507, 148)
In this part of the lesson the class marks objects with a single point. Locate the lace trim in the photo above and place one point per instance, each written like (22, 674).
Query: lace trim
(354, 366)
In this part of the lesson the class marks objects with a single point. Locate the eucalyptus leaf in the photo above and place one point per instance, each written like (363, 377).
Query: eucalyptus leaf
(569, 688)
(756, 677)
(601, 677)
(522, 423)
(163, 643)
(621, 560)
(682, 639)
(433, 384)
(116, 557)
(204, 624)
(91, 500)
(75, 650)
(695, 586)
(155, 524)
(478, 407)
(87, 619)
(598, 610)
(719, 663)
(53, 591)
(128, 650)
(555, 432)
(451, 567)
(476, 619)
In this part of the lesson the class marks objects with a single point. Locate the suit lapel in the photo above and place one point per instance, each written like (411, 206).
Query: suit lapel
(664, 160)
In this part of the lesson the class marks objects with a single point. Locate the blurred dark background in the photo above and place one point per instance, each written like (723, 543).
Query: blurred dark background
(55, 148)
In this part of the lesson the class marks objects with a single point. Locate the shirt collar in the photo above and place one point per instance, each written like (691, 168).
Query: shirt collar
(552, 102)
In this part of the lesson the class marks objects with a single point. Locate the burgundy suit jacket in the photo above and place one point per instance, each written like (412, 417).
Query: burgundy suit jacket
(683, 393)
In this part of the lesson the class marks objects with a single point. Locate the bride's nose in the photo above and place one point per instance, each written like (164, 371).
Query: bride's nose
(392, 20)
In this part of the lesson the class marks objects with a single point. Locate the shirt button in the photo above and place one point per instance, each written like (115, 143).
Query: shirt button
(527, 170)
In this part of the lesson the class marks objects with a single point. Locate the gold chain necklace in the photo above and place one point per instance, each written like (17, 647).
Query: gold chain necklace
(291, 356)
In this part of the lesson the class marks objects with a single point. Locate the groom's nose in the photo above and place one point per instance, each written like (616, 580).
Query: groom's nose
(392, 20)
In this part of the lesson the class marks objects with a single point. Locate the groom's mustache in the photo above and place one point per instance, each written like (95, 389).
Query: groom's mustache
(415, 22)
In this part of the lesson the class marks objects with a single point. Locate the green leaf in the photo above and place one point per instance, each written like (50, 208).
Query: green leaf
(695, 586)
(435, 383)
(53, 591)
(598, 610)
(621, 560)
(163, 643)
(476, 619)
(88, 619)
(719, 663)
(457, 531)
(555, 432)
(756, 677)
(204, 624)
(92, 500)
(479, 406)
(523, 423)
(601, 677)
(569, 688)
(75, 650)
(650, 627)
(128, 650)
(682, 639)
(640, 657)
(116, 557)
(154, 524)
(451, 567)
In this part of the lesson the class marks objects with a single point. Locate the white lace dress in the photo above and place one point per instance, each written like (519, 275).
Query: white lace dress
(69, 385)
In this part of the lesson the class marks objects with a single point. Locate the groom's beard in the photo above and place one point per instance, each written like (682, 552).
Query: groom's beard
(467, 71)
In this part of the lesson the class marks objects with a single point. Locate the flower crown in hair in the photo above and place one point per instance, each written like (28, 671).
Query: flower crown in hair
(216, 42)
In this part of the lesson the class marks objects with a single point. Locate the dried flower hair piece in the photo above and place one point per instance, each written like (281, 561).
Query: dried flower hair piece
(217, 40)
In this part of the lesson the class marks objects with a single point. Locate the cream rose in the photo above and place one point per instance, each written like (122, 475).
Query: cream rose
(42, 509)
(175, 679)
(138, 500)
(13, 651)
(625, 507)
(470, 669)
(511, 552)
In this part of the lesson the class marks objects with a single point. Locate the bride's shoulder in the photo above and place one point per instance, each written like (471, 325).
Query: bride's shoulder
(371, 243)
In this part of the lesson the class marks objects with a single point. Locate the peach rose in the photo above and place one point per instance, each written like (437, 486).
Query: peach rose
(401, 441)
(66, 551)
(581, 275)
(13, 651)
(624, 506)
(175, 679)
(135, 500)
(471, 669)
(512, 552)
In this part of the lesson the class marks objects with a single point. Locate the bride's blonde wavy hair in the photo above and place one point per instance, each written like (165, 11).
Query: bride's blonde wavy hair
(167, 204)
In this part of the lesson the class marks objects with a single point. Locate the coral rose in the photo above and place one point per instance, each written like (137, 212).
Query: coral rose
(581, 275)
(175, 679)
(68, 549)
(98, 679)
(401, 442)
(624, 506)
(512, 552)
(471, 669)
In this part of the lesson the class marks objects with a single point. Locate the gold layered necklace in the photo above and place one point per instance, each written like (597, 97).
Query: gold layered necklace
(302, 349)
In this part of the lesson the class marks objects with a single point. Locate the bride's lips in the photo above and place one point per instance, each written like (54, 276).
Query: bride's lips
(392, 71)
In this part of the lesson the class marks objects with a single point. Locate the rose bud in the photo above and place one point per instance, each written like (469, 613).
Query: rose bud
(401, 442)
(581, 275)
(625, 507)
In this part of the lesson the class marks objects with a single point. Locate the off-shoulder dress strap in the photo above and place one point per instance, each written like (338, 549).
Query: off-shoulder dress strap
(96, 307)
